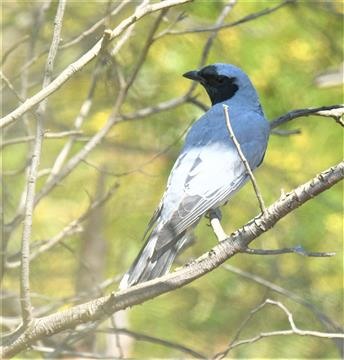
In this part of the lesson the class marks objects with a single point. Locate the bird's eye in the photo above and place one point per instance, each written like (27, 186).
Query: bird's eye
(220, 79)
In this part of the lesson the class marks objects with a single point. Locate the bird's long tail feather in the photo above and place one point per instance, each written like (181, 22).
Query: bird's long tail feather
(147, 266)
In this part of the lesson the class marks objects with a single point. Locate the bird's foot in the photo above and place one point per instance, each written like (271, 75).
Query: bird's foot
(215, 217)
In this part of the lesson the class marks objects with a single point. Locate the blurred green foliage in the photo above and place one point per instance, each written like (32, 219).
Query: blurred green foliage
(282, 53)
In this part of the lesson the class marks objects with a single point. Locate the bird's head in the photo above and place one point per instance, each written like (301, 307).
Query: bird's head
(223, 82)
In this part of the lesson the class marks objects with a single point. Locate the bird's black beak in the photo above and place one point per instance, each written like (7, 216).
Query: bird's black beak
(193, 75)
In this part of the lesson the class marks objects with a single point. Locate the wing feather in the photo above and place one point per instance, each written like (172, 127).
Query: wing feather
(208, 171)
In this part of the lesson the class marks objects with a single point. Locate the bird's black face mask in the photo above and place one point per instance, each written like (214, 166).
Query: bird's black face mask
(218, 87)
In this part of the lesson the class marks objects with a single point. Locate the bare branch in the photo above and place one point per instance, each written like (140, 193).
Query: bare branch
(10, 86)
(31, 186)
(47, 135)
(199, 104)
(104, 306)
(84, 60)
(330, 325)
(243, 20)
(140, 167)
(13, 47)
(243, 159)
(293, 331)
(96, 26)
(280, 132)
(148, 111)
(155, 340)
(83, 113)
(98, 137)
(72, 228)
(225, 11)
(334, 111)
(294, 250)
(73, 162)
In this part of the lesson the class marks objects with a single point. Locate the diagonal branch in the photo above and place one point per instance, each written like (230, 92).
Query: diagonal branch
(155, 340)
(294, 330)
(219, 27)
(103, 307)
(323, 318)
(243, 159)
(334, 111)
(84, 60)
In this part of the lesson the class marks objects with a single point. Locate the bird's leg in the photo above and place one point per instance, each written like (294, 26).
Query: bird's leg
(215, 222)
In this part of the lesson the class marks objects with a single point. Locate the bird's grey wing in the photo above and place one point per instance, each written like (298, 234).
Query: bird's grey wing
(153, 219)
(217, 185)
(201, 181)
(206, 175)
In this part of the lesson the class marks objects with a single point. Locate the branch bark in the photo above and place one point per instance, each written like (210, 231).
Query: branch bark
(294, 330)
(33, 175)
(84, 60)
(243, 159)
(334, 111)
(103, 307)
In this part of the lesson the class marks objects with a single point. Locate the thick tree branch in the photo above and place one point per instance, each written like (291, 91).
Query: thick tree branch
(104, 306)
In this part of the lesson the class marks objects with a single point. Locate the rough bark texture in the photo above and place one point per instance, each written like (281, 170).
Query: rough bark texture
(102, 307)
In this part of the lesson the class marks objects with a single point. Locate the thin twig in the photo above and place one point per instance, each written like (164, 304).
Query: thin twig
(334, 111)
(293, 331)
(73, 162)
(155, 340)
(330, 325)
(280, 132)
(99, 136)
(243, 159)
(103, 307)
(96, 26)
(140, 167)
(199, 104)
(14, 47)
(211, 38)
(11, 87)
(73, 227)
(47, 135)
(84, 60)
(294, 250)
(243, 20)
(113, 119)
(79, 120)
(206, 49)
(31, 186)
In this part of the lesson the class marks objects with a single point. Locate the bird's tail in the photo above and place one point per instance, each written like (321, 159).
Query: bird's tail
(147, 265)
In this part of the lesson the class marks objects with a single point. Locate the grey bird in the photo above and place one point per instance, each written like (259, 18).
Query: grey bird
(208, 170)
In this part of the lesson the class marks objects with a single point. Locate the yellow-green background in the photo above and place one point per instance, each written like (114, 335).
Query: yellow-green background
(282, 53)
